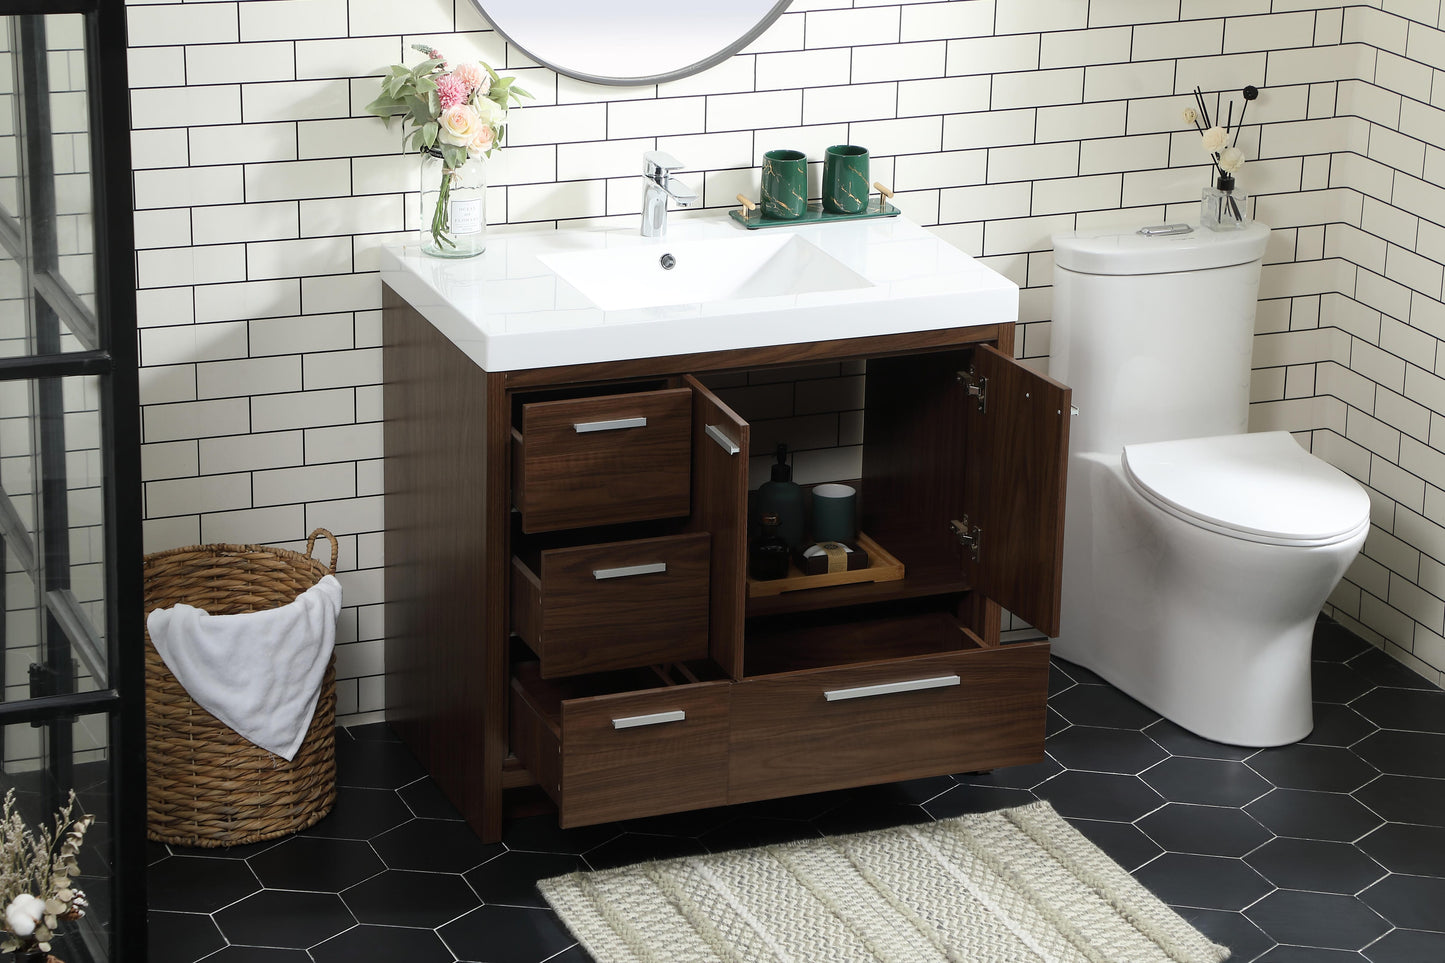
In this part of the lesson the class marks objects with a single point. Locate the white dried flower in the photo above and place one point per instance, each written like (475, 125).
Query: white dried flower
(1191, 116)
(1231, 159)
(23, 914)
(1215, 139)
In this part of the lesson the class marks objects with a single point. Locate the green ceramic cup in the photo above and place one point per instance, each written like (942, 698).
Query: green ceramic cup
(845, 179)
(785, 184)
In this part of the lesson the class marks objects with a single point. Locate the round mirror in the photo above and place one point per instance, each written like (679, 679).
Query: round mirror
(629, 42)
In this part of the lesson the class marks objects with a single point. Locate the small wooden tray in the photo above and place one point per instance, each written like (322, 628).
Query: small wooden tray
(883, 567)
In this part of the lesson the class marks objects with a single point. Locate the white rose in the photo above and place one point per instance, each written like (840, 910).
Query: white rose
(1215, 138)
(490, 112)
(1231, 159)
(459, 125)
(23, 913)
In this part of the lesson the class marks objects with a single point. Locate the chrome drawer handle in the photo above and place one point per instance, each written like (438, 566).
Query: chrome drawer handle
(888, 688)
(717, 435)
(624, 571)
(655, 719)
(616, 424)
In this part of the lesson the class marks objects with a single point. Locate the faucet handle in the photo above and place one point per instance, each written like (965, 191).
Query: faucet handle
(655, 162)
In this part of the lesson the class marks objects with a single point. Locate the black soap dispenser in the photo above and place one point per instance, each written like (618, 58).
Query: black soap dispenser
(783, 498)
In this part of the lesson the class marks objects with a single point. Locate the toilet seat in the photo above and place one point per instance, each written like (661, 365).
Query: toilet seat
(1261, 487)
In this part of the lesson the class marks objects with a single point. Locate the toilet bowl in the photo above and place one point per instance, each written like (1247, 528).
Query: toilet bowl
(1196, 556)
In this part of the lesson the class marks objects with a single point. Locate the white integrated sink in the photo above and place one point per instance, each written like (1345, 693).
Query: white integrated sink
(724, 269)
(538, 299)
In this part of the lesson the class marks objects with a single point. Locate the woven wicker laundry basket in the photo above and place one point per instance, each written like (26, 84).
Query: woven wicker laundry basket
(207, 785)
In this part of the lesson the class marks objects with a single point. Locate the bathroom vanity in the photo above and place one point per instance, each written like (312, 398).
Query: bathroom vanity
(566, 521)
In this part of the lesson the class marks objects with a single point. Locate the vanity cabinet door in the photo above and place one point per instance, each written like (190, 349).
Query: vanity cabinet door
(602, 460)
(719, 507)
(1016, 459)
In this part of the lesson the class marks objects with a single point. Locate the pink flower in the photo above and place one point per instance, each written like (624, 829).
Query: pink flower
(484, 140)
(474, 75)
(451, 90)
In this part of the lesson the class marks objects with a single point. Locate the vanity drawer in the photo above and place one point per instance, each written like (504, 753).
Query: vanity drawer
(646, 749)
(821, 729)
(614, 606)
(602, 460)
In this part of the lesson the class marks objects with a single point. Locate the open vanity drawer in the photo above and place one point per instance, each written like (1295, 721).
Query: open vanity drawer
(603, 459)
(614, 605)
(626, 744)
(960, 707)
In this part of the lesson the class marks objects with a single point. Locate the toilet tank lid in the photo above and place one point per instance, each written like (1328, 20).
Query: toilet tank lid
(1117, 250)
(1261, 485)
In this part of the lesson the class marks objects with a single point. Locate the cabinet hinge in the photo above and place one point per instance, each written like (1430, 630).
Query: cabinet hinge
(977, 386)
(969, 536)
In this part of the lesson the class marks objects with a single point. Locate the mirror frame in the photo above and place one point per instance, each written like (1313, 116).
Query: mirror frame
(642, 81)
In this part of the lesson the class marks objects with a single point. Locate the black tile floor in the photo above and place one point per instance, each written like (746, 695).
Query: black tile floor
(1331, 849)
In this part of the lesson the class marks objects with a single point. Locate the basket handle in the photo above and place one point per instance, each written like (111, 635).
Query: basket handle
(311, 544)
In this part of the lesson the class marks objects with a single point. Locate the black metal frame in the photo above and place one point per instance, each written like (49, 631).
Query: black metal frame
(108, 338)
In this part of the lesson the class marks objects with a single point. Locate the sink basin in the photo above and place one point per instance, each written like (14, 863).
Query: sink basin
(722, 269)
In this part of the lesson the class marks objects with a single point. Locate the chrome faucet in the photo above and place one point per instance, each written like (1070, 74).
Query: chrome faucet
(657, 186)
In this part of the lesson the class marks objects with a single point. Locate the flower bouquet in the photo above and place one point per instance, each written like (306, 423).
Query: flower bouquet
(455, 117)
(35, 877)
(1222, 207)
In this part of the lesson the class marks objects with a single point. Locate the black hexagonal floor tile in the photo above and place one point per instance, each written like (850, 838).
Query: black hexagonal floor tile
(1404, 753)
(1204, 830)
(511, 878)
(404, 898)
(182, 936)
(1314, 864)
(1076, 672)
(1313, 815)
(1407, 946)
(317, 864)
(1338, 725)
(748, 831)
(256, 954)
(1102, 705)
(361, 814)
(375, 764)
(1322, 920)
(1308, 954)
(1318, 768)
(1410, 902)
(1054, 723)
(692, 823)
(1181, 742)
(1097, 749)
(1412, 850)
(631, 848)
(367, 942)
(1058, 679)
(1406, 799)
(1417, 710)
(195, 884)
(1013, 777)
(507, 934)
(541, 834)
(425, 799)
(285, 919)
(1228, 928)
(1337, 682)
(434, 846)
(1333, 642)
(1209, 882)
(1380, 669)
(976, 799)
(1099, 795)
(1209, 782)
(1121, 842)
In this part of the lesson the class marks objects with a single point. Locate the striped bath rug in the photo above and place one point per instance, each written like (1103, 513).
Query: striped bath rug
(1014, 885)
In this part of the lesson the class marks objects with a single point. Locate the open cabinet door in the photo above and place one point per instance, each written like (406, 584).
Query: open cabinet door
(719, 507)
(1018, 455)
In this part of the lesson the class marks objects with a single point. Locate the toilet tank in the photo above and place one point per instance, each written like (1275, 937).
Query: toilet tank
(1154, 332)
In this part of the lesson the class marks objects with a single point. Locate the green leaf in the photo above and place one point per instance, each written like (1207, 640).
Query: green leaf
(518, 93)
(433, 103)
(454, 156)
(429, 132)
(425, 67)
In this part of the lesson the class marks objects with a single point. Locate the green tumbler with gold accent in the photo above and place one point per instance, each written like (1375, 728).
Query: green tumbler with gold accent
(845, 179)
(785, 184)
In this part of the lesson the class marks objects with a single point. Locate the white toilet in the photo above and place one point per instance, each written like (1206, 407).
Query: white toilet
(1196, 556)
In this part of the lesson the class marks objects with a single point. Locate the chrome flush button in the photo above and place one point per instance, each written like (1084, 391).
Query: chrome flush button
(1164, 230)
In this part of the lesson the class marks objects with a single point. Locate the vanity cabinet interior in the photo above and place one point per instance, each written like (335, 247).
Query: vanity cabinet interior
(567, 600)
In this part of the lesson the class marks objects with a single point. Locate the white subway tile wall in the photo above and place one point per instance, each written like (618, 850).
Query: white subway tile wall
(263, 191)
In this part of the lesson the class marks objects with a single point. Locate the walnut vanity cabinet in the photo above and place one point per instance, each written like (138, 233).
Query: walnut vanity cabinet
(567, 606)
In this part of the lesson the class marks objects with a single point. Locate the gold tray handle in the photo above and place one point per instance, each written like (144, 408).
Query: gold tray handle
(884, 194)
(748, 206)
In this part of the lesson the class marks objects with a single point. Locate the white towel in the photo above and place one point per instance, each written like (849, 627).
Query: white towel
(258, 672)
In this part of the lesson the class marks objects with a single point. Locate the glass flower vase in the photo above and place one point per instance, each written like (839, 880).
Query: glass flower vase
(1222, 207)
(453, 207)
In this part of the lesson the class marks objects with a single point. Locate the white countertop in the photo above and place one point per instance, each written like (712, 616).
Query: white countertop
(507, 310)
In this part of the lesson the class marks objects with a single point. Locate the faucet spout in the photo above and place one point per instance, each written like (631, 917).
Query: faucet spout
(658, 187)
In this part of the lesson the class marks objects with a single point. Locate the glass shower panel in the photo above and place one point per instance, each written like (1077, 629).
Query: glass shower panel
(70, 156)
